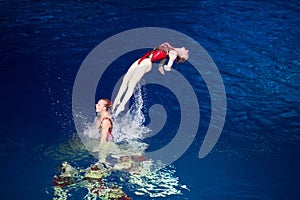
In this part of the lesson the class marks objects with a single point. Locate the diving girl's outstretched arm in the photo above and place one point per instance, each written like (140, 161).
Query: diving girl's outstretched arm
(172, 58)
(161, 66)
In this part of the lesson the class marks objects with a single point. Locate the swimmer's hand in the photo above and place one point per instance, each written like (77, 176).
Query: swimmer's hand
(160, 67)
(161, 70)
(172, 57)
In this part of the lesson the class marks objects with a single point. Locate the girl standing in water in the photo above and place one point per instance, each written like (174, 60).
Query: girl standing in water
(104, 121)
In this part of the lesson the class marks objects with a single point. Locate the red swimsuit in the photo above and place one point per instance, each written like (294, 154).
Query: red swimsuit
(157, 54)
(109, 137)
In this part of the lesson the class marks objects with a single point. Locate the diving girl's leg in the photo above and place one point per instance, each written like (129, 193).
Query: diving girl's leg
(124, 84)
(144, 67)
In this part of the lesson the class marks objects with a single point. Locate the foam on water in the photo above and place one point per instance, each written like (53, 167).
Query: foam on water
(157, 183)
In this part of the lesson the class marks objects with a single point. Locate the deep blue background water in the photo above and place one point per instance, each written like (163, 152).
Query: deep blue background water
(255, 45)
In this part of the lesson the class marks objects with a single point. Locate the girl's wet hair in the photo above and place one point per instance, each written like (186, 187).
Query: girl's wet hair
(108, 104)
(180, 59)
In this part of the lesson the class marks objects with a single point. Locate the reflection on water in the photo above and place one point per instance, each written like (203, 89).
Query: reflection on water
(117, 165)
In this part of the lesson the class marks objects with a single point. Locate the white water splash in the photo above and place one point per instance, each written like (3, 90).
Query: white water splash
(130, 126)
(153, 179)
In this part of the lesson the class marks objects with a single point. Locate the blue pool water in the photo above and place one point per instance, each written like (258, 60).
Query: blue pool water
(255, 45)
